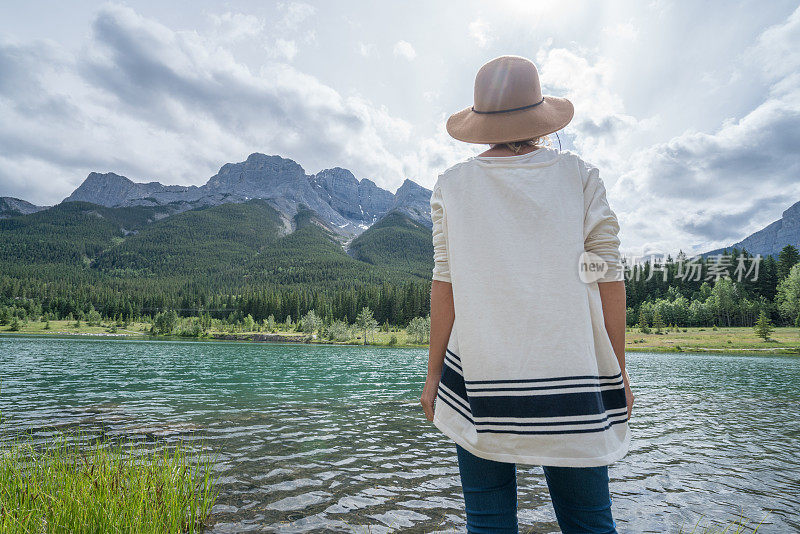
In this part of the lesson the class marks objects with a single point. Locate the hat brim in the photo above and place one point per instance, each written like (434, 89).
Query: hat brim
(488, 128)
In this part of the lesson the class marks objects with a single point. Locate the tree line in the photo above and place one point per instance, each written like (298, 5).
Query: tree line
(708, 291)
(658, 292)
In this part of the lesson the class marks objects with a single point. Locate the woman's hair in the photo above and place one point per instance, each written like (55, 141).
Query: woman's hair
(516, 146)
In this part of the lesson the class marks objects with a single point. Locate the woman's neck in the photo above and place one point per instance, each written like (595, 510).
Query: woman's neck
(502, 150)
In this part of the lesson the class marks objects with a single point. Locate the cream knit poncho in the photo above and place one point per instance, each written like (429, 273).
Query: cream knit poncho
(530, 375)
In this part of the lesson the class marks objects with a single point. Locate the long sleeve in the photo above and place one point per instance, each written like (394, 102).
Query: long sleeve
(441, 266)
(601, 227)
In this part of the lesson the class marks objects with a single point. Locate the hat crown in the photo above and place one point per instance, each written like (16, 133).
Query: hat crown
(507, 82)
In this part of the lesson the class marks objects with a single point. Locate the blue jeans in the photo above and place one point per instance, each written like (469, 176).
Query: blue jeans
(580, 496)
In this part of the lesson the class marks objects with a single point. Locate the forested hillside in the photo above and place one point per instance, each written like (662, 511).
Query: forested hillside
(232, 260)
(226, 261)
(396, 242)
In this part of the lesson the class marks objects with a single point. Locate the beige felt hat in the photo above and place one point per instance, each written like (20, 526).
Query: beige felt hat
(509, 105)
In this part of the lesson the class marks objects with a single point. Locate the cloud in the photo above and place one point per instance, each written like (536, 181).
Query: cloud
(232, 27)
(716, 226)
(481, 32)
(693, 158)
(701, 188)
(727, 183)
(295, 13)
(776, 50)
(283, 49)
(405, 50)
(143, 100)
(602, 130)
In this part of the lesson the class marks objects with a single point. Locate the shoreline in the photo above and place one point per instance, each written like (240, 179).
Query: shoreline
(258, 337)
(782, 351)
(277, 339)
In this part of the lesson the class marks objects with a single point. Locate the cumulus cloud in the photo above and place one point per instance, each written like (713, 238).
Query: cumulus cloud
(700, 189)
(776, 49)
(152, 103)
(734, 172)
(405, 50)
(603, 131)
(741, 172)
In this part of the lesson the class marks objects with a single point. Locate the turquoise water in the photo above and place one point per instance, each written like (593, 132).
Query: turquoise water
(329, 438)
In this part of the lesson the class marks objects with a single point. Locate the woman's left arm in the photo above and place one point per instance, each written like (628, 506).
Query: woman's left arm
(442, 317)
(601, 229)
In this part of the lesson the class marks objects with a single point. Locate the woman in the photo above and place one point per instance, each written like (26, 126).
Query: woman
(526, 252)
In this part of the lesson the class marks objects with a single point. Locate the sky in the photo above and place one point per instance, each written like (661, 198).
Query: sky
(691, 110)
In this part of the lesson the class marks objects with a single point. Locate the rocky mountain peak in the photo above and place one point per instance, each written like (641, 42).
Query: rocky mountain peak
(110, 189)
(362, 202)
(107, 189)
(336, 177)
(258, 165)
(413, 200)
(409, 188)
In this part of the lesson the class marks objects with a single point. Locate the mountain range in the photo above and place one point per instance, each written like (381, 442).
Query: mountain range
(333, 199)
(344, 204)
(261, 221)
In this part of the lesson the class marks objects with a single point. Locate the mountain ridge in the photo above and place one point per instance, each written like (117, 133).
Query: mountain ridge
(346, 205)
(772, 238)
(13, 206)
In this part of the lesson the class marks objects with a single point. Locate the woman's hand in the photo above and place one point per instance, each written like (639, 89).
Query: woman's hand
(429, 396)
(628, 392)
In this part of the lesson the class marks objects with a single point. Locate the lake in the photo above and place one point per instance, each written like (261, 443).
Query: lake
(316, 438)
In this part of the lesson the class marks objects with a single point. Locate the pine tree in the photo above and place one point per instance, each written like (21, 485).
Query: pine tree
(787, 258)
(763, 326)
(658, 323)
(643, 328)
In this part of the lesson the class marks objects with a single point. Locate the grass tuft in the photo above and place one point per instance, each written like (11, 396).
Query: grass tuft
(741, 525)
(64, 487)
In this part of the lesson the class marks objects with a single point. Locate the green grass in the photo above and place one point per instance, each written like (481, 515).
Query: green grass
(60, 327)
(64, 487)
(739, 526)
(784, 340)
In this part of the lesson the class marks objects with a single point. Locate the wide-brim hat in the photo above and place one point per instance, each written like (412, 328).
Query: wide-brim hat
(509, 105)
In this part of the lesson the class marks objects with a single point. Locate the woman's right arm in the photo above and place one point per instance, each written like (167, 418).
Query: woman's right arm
(442, 308)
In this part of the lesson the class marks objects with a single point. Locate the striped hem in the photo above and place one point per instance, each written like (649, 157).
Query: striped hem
(556, 405)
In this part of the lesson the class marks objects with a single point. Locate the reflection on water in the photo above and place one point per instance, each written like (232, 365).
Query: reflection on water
(321, 438)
